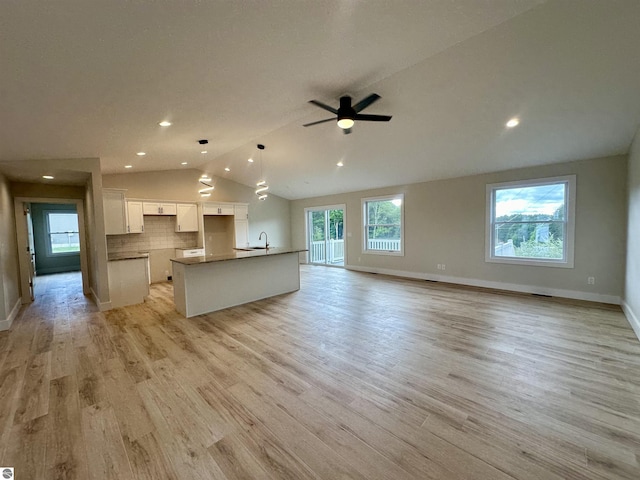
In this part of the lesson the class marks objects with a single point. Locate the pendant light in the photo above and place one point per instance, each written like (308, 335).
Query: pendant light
(261, 186)
(208, 187)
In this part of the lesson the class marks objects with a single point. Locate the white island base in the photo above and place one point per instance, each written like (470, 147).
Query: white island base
(206, 284)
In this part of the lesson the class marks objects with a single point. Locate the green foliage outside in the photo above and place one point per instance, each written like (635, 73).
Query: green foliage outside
(336, 225)
(384, 220)
(532, 249)
(522, 231)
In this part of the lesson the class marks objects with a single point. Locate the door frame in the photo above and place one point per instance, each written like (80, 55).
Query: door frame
(307, 210)
(24, 260)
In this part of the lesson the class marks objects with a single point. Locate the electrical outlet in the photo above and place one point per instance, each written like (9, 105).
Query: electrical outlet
(444, 267)
(439, 266)
(591, 280)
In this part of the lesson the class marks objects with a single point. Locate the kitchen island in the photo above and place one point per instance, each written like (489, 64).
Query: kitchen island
(213, 282)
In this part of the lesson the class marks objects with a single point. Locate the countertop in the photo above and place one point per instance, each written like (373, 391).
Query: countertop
(236, 255)
(114, 257)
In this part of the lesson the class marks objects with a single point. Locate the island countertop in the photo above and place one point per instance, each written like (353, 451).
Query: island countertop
(236, 255)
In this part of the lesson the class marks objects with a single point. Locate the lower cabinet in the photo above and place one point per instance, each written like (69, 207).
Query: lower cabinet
(128, 281)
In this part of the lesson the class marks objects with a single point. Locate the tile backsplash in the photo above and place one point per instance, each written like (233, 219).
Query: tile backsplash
(159, 232)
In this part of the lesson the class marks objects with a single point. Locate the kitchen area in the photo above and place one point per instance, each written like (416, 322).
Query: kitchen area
(151, 241)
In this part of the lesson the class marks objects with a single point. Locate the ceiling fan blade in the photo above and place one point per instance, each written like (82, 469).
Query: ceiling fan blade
(324, 106)
(365, 102)
(319, 121)
(373, 118)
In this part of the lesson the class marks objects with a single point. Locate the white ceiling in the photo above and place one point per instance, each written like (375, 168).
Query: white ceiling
(93, 79)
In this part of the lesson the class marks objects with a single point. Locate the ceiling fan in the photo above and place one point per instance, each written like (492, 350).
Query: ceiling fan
(348, 114)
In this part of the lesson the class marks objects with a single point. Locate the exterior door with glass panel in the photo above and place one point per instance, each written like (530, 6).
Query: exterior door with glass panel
(325, 227)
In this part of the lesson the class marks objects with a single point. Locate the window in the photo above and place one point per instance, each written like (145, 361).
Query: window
(62, 233)
(531, 222)
(383, 225)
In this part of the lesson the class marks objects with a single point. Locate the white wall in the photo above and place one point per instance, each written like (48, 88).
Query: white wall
(271, 215)
(9, 277)
(445, 223)
(632, 280)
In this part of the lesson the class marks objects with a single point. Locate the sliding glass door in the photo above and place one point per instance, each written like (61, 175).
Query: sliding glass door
(325, 233)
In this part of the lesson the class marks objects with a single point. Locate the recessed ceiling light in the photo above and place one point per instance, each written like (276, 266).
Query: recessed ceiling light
(184, 163)
(141, 154)
(164, 123)
(47, 177)
(204, 151)
(227, 169)
(340, 164)
(128, 166)
(250, 160)
(514, 122)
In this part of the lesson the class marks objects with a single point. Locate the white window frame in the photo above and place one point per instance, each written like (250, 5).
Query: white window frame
(365, 249)
(569, 234)
(50, 252)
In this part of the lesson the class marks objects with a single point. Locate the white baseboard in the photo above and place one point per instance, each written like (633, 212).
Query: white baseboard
(631, 318)
(511, 287)
(102, 306)
(6, 324)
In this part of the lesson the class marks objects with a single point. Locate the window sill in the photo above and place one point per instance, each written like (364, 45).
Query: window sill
(531, 262)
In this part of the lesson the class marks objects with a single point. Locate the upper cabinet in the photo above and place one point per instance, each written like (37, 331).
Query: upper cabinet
(241, 211)
(218, 209)
(158, 208)
(187, 217)
(135, 220)
(115, 211)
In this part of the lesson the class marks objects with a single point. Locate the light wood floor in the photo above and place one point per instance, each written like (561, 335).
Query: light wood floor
(354, 376)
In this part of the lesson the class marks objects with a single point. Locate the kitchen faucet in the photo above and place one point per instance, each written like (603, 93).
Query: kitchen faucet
(266, 240)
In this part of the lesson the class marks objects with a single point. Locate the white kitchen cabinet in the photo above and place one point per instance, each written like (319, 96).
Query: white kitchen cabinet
(159, 208)
(135, 220)
(241, 211)
(218, 209)
(187, 217)
(115, 211)
(242, 232)
(128, 281)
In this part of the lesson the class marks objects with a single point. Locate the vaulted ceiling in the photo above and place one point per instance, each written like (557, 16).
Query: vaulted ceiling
(94, 79)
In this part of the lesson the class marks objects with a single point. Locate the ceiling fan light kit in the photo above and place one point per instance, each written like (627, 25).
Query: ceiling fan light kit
(347, 114)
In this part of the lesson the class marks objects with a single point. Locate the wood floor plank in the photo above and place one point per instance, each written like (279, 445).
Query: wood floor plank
(34, 398)
(105, 449)
(66, 456)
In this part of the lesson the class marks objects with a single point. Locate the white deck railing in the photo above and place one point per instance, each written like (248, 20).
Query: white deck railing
(335, 249)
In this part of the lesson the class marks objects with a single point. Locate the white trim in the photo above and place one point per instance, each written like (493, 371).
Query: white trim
(631, 318)
(6, 324)
(102, 306)
(364, 223)
(570, 222)
(511, 287)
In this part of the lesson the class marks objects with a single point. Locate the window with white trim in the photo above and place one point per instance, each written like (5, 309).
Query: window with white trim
(531, 222)
(383, 225)
(62, 233)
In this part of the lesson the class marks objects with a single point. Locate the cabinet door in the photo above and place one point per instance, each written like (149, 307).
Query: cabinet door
(242, 212)
(168, 209)
(135, 219)
(242, 233)
(210, 209)
(150, 208)
(187, 217)
(226, 210)
(115, 212)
